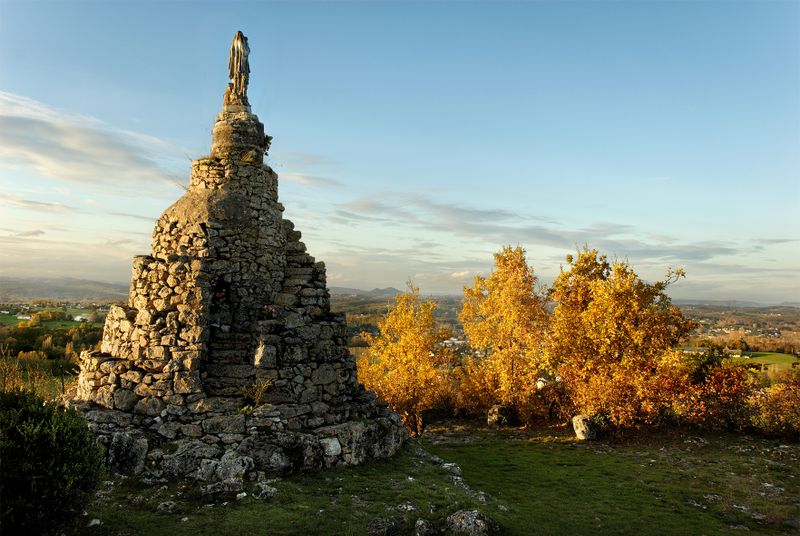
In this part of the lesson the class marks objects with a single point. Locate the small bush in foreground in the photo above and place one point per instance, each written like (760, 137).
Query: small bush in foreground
(50, 464)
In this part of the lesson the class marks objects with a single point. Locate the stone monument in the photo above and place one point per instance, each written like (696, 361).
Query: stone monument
(226, 359)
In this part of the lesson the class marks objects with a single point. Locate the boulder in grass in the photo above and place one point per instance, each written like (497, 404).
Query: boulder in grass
(470, 523)
(585, 428)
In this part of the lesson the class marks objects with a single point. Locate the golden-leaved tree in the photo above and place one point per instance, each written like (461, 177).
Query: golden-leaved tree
(405, 365)
(504, 318)
(611, 340)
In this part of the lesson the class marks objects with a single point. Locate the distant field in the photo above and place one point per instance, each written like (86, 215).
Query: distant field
(781, 361)
(65, 324)
(12, 320)
(770, 357)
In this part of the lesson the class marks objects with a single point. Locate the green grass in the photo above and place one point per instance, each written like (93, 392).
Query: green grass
(542, 483)
(9, 320)
(659, 485)
(337, 501)
(770, 358)
(776, 361)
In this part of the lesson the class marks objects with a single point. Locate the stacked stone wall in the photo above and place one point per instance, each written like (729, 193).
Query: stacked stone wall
(230, 299)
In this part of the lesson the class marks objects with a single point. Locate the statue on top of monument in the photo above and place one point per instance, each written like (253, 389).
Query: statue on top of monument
(238, 71)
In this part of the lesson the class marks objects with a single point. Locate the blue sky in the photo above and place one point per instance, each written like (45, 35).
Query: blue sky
(415, 139)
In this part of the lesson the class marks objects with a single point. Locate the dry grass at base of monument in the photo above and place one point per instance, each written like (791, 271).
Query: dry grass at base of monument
(255, 393)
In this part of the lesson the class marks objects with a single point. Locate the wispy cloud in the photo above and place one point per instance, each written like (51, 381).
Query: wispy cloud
(151, 219)
(119, 242)
(773, 241)
(303, 160)
(41, 206)
(31, 233)
(499, 226)
(88, 260)
(79, 149)
(306, 168)
(310, 180)
(368, 267)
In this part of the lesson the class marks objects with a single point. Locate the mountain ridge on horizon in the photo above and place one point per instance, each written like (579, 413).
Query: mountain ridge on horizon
(24, 289)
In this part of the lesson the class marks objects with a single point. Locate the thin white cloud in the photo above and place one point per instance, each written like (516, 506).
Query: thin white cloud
(303, 160)
(79, 149)
(309, 180)
(151, 219)
(36, 257)
(40, 206)
(119, 242)
(306, 168)
(33, 232)
(500, 226)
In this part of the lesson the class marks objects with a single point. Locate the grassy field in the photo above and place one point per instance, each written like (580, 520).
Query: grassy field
(338, 501)
(9, 320)
(12, 320)
(670, 484)
(775, 362)
(769, 358)
(535, 483)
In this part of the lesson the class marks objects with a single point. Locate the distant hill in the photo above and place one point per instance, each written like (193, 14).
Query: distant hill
(376, 292)
(721, 303)
(22, 290)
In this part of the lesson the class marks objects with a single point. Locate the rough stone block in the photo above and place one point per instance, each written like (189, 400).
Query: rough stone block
(324, 374)
(229, 424)
(150, 406)
(330, 446)
(125, 399)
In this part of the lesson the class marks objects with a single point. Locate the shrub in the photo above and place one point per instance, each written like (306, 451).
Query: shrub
(610, 340)
(10, 374)
(505, 318)
(50, 463)
(776, 409)
(255, 393)
(405, 365)
(721, 400)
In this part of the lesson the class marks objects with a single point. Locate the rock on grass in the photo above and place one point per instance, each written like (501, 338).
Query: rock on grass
(471, 523)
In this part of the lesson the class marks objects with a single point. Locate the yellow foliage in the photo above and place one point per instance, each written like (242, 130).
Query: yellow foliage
(504, 318)
(611, 337)
(404, 365)
(255, 393)
(776, 409)
(11, 377)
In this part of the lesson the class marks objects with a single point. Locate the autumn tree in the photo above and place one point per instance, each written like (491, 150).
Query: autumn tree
(404, 364)
(611, 339)
(504, 318)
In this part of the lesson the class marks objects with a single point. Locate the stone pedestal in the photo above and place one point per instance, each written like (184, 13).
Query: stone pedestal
(229, 302)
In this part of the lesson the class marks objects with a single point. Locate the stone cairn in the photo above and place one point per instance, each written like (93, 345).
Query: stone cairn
(229, 303)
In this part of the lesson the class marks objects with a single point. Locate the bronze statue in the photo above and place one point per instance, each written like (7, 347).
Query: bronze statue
(238, 71)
